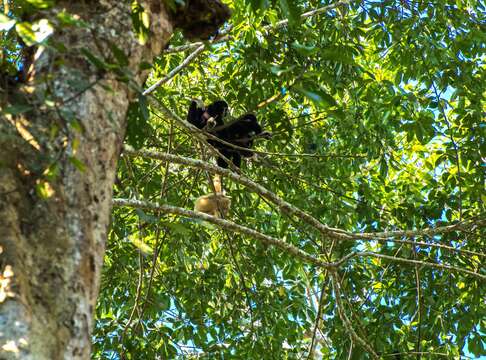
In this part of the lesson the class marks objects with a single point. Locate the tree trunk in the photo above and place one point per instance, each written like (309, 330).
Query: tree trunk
(57, 168)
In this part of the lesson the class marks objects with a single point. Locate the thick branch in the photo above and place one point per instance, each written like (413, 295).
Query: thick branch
(225, 224)
(282, 204)
(331, 232)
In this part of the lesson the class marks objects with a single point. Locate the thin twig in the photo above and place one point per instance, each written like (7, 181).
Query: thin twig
(231, 246)
(434, 245)
(350, 353)
(419, 305)
(317, 321)
(176, 70)
(447, 356)
(462, 225)
(418, 262)
(346, 322)
(454, 144)
(140, 260)
(158, 242)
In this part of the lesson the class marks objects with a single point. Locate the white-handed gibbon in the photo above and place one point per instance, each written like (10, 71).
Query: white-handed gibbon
(216, 204)
(240, 132)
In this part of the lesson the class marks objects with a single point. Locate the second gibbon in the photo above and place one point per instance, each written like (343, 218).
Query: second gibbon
(216, 204)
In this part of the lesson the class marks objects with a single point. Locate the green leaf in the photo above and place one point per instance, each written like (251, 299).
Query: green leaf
(290, 11)
(338, 54)
(144, 65)
(78, 164)
(178, 228)
(24, 29)
(143, 106)
(44, 189)
(140, 20)
(17, 109)
(138, 127)
(383, 168)
(148, 218)
(119, 55)
(318, 96)
(41, 4)
(303, 49)
(95, 60)
(34, 33)
(259, 4)
(277, 70)
(71, 20)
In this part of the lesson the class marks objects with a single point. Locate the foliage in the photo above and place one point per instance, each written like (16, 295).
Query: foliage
(386, 97)
(377, 111)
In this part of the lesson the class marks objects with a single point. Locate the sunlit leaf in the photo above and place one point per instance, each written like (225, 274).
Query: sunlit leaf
(6, 23)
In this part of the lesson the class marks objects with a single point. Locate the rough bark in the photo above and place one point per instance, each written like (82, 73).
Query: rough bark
(52, 246)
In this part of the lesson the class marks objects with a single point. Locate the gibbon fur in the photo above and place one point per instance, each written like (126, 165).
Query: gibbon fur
(240, 132)
(216, 204)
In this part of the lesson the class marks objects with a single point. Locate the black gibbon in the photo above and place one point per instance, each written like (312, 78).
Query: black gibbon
(216, 204)
(240, 132)
(212, 116)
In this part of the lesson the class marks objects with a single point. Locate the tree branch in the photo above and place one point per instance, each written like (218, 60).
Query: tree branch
(225, 224)
(346, 322)
(415, 262)
(328, 231)
(282, 204)
(434, 245)
(176, 70)
(462, 225)
(231, 226)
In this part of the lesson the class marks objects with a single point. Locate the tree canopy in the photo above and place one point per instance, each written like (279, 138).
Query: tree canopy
(356, 232)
